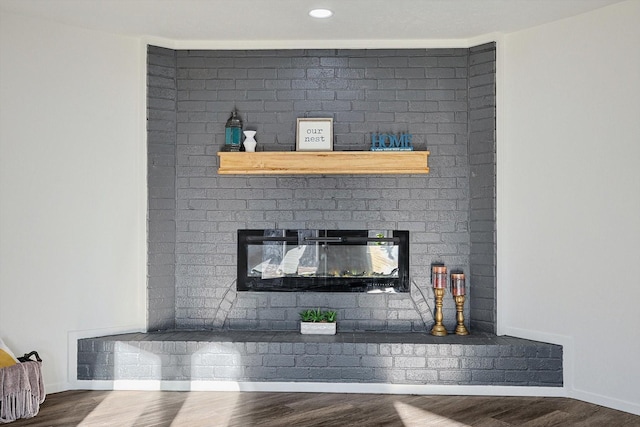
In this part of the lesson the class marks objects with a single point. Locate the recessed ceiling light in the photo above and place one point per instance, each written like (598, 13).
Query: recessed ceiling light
(320, 13)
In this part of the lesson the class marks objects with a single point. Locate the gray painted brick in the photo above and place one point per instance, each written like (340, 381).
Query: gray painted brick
(487, 377)
(520, 377)
(547, 378)
(425, 376)
(376, 362)
(412, 362)
(443, 363)
(476, 363)
(455, 376)
(362, 374)
(325, 373)
(225, 360)
(481, 83)
(312, 361)
(556, 351)
(544, 364)
(162, 62)
(292, 373)
(510, 363)
(288, 206)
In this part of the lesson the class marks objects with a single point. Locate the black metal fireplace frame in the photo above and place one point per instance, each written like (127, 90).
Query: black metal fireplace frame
(400, 283)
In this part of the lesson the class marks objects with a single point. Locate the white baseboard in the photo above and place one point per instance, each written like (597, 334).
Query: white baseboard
(57, 387)
(598, 399)
(309, 387)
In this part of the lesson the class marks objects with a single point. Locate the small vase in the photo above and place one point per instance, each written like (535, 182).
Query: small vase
(249, 142)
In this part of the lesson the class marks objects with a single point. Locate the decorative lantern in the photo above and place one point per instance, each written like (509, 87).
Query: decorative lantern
(439, 276)
(233, 132)
(457, 284)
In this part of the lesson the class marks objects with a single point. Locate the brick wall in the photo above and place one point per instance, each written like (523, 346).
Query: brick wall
(482, 185)
(161, 159)
(424, 92)
(402, 358)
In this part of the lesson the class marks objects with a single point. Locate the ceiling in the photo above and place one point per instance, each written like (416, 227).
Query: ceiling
(287, 20)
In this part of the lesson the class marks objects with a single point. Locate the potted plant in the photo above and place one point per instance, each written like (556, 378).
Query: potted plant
(316, 321)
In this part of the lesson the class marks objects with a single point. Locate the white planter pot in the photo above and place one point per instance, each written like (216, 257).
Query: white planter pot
(317, 328)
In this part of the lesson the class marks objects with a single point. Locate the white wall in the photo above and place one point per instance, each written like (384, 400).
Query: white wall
(72, 186)
(569, 197)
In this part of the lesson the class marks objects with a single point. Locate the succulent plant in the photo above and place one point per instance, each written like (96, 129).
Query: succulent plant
(330, 316)
(317, 315)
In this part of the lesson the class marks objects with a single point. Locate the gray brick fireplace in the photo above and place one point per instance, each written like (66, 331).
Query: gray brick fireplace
(201, 328)
(444, 97)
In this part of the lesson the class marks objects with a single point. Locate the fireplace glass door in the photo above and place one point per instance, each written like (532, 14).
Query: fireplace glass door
(323, 260)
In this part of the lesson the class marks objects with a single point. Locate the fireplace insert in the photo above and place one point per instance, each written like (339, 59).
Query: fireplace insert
(279, 260)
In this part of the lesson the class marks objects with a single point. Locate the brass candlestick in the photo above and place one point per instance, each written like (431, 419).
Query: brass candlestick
(460, 328)
(438, 329)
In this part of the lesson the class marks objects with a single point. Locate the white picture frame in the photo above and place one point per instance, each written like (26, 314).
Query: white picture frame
(314, 134)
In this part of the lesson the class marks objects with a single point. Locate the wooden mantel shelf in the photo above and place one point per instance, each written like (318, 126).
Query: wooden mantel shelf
(323, 162)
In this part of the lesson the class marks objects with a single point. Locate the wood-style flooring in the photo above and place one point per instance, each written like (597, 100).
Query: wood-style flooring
(156, 408)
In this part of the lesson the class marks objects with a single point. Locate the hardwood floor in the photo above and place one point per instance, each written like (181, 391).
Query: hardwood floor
(155, 408)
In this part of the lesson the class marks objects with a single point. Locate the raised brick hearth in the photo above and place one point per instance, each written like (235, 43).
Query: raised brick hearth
(348, 357)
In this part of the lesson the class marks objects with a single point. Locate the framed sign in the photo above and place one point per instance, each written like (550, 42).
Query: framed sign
(315, 135)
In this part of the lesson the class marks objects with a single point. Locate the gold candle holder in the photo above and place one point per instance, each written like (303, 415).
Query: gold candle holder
(439, 282)
(438, 328)
(460, 328)
(458, 291)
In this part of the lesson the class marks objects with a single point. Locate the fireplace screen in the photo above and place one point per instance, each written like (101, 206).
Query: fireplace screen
(323, 260)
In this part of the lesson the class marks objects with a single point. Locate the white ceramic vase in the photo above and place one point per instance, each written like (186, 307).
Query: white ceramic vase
(249, 141)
